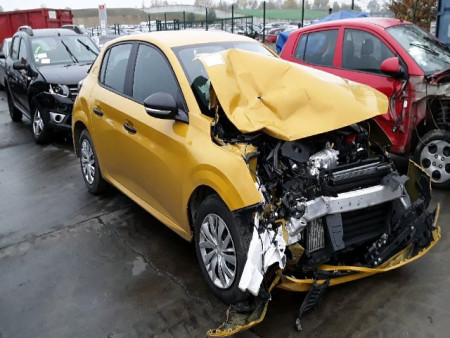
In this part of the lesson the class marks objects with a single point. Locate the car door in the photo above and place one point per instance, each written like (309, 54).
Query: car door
(23, 76)
(362, 53)
(109, 108)
(13, 75)
(135, 148)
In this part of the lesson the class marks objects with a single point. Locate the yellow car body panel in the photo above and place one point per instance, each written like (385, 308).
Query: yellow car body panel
(299, 102)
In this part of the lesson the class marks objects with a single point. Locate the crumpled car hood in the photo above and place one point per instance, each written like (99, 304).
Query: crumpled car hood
(286, 100)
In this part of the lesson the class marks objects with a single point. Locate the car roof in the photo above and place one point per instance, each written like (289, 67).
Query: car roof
(362, 22)
(185, 37)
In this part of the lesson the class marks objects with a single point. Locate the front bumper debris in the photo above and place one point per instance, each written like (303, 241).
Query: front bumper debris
(326, 275)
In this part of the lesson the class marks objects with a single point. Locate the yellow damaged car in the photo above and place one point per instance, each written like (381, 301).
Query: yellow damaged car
(275, 170)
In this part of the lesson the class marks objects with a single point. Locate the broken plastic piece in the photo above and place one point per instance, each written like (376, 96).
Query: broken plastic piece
(311, 300)
(266, 248)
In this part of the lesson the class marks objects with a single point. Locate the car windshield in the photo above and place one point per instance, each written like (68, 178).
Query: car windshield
(196, 73)
(427, 52)
(51, 50)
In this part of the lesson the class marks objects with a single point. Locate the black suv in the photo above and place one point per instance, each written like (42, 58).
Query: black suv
(43, 70)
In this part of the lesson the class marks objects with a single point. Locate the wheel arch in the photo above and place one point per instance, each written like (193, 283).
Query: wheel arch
(196, 198)
(77, 128)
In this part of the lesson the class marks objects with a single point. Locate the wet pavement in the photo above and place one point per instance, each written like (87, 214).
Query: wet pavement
(77, 265)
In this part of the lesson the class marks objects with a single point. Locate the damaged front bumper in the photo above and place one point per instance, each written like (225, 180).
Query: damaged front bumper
(343, 274)
(412, 235)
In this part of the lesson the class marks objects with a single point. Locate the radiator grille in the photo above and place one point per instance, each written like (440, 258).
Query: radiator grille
(365, 224)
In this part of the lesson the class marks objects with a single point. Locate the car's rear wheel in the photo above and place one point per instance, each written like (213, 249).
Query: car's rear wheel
(90, 168)
(15, 113)
(433, 154)
(221, 242)
(41, 133)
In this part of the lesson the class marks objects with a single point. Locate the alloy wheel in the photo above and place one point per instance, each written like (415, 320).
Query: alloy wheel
(217, 251)
(38, 123)
(87, 161)
(435, 159)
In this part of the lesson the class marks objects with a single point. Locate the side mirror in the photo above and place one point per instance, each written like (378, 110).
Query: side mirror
(161, 105)
(2, 55)
(18, 65)
(391, 66)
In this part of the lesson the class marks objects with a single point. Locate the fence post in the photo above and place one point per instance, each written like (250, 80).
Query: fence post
(353, 4)
(232, 18)
(206, 19)
(414, 11)
(184, 19)
(165, 21)
(264, 21)
(149, 24)
(303, 11)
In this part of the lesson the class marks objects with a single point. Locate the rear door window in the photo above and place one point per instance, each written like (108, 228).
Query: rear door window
(363, 51)
(114, 67)
(317, 48)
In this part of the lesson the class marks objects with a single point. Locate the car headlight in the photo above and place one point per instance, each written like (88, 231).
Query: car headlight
(58, 89)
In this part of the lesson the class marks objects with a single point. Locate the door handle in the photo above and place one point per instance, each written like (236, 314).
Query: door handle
(129, 128)
(98, 112)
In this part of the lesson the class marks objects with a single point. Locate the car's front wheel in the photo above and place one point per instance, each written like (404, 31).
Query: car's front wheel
(221, 242)
(16, 115)
(41, 133)
(90, 167)
(433, 154)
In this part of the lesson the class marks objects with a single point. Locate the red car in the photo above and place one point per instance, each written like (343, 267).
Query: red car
(399, 59)
(273, 34)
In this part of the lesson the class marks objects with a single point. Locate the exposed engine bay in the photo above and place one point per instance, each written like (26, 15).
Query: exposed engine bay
(333, 198)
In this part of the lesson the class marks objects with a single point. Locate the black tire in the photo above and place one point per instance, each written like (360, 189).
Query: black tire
(41, 132)
(16, 115)
(240, 231)
(95, 182)
(433, 154)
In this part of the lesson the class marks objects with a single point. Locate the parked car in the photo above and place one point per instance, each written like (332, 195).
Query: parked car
(401, 60)
(42, 75)
(4, 51)
(272, 35)
(263, 173)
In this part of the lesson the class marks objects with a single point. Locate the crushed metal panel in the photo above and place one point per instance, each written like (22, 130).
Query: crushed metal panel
(286, 100)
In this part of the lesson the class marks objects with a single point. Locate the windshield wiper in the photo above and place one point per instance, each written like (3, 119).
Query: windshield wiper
(427, 48)
(70, 53)
(88, 48)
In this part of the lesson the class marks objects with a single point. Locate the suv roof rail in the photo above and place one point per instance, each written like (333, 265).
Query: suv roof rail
(75, 28)
(26, 29)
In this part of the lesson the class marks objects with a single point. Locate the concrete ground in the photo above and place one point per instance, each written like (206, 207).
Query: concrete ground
(76, 265)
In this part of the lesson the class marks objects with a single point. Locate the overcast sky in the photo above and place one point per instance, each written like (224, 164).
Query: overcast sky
(10, 5)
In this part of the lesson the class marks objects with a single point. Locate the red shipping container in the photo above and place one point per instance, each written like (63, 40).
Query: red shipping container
(36, 18)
